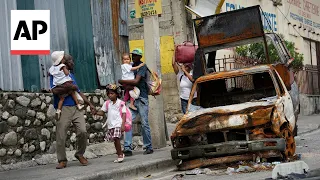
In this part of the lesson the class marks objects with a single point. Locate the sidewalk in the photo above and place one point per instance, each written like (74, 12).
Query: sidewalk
(308, 123)
(99, 168)
(136, 165)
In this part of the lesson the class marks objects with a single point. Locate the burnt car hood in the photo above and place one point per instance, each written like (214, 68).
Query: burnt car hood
(235, 116)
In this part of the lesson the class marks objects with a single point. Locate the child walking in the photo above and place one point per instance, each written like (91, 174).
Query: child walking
(115, 120)
(62, 82)
(131, 92)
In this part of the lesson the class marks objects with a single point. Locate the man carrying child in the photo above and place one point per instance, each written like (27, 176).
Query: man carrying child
(142, 104)
(70, 114)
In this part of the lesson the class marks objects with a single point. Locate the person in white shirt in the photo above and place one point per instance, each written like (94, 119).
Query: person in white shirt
(131, 92)
(63, 81)
(185, 80)
(115, 121)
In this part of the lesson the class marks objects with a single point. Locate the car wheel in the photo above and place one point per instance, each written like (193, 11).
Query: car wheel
(290, 150)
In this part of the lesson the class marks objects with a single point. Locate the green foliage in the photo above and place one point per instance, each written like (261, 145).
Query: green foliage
(257, 51)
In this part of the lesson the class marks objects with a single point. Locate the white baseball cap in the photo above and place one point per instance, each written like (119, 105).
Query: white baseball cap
(57, 56)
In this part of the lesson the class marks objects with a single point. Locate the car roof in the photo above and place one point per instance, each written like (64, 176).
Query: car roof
(234, 72)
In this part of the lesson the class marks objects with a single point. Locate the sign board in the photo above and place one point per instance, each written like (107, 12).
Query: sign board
(305, 14)
(148, 8)
(30, 32)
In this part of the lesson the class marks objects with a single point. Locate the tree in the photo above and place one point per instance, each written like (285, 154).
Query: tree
(257, 51)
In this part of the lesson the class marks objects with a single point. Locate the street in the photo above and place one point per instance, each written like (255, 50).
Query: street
(308, 145)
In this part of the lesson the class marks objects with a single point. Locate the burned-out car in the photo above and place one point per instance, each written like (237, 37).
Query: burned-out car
(239, 114)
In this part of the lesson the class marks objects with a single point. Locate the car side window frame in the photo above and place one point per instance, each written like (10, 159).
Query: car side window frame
(279, 82)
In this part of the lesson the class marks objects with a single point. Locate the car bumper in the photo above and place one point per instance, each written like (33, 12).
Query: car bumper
(228, 148)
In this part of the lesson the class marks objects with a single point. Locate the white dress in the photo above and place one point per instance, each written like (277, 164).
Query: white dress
(58, 75)
(127, 74)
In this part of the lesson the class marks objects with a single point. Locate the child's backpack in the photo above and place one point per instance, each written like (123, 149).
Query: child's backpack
(154, 83)
(128, 123)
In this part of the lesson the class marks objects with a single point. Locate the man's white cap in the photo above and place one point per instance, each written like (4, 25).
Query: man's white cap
(57, 56)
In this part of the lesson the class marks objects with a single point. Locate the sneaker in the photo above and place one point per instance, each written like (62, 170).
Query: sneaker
(148, 151)
(127, 152)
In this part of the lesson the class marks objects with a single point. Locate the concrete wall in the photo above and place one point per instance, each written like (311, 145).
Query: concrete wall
(309, 104)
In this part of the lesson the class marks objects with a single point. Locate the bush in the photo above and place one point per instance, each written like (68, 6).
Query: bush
(257, 51)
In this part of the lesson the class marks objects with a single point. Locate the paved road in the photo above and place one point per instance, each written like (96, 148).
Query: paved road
(308, 145)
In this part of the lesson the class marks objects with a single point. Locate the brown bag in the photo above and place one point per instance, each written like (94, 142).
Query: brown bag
(184, 53)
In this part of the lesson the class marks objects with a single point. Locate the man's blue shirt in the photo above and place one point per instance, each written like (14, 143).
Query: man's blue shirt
(68, 101)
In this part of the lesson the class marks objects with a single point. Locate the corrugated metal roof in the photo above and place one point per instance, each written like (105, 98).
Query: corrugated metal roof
(58, 35)
(10, 66)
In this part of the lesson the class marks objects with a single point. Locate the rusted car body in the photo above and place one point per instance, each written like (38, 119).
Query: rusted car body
(239, 114)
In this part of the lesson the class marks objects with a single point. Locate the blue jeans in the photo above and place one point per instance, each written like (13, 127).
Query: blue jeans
(142, 105)
(184, 104)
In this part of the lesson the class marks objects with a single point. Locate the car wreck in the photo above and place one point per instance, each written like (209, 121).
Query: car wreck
(239, 114)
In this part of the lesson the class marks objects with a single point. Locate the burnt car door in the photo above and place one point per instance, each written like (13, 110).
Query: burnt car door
(284, 103)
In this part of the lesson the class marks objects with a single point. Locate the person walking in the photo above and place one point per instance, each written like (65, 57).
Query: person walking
(185, 80)
(142, 104)
(70, 114)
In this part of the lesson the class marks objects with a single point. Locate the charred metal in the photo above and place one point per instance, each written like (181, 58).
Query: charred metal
(241, 113)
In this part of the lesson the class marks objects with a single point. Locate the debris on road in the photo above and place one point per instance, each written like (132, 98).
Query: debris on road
(245, 169)
(194, 172)
(299, 167)
(230, 171)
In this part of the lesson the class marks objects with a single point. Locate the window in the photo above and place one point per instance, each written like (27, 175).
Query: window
(310, 55)
(278, 82)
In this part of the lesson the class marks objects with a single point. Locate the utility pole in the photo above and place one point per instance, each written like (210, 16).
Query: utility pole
(152, 58)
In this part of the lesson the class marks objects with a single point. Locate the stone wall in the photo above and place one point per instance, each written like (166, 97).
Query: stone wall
(309, 104)
(27, 126)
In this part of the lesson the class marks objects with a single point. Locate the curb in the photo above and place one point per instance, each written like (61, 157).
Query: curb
(309, 131)
(131, 171)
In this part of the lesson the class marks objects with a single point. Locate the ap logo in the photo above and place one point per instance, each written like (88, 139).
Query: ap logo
(30, 32)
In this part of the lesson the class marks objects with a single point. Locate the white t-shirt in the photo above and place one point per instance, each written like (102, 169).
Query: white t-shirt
(127, 74)
(58, 75)
(114, 118)
(185, 85)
